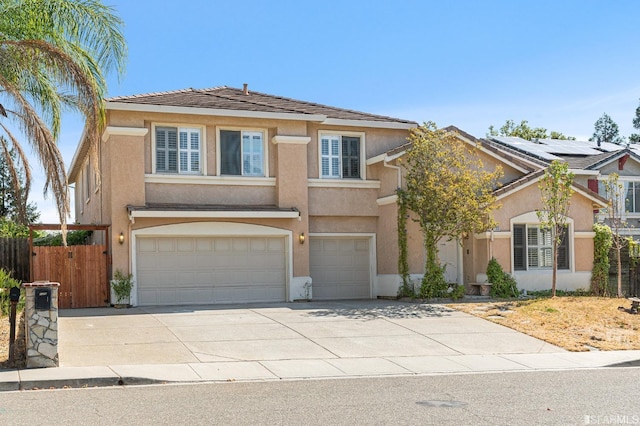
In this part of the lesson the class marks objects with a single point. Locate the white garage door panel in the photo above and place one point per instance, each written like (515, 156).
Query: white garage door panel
(340, 268)
(187, 270)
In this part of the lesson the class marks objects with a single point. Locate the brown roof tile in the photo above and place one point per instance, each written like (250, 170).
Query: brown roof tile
(228, 98)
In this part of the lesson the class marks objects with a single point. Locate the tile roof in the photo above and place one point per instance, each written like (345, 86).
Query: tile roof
(228, 98)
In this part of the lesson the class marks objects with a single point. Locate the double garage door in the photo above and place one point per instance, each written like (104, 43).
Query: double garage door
(204, 270)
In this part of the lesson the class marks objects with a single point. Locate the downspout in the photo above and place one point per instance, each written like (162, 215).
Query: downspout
(385, 163)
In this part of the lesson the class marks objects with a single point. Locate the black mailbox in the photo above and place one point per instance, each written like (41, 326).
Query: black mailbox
(14, 294)
(43, 299)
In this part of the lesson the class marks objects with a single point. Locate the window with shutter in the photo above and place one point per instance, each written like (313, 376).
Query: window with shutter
(178, 150)
(535, 251)
(340, 156)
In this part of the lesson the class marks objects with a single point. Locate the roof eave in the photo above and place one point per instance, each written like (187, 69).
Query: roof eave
(319, 118)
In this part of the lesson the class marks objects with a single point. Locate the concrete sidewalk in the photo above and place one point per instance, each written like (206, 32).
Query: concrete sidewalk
(106, 347)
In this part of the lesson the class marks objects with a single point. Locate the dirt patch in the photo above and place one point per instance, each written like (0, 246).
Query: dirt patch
(19, 351)
(573, 323)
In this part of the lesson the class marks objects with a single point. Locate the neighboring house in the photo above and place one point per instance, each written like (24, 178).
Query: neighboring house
(226, 195)
(518, 242)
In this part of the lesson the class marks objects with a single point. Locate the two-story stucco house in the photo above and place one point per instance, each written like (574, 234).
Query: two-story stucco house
(226, 195)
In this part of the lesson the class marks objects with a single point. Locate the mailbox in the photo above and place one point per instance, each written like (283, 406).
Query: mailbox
(43, 299)
(14, 294)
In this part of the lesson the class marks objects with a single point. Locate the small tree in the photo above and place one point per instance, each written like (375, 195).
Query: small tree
(555, 186)
(606, 130)
(614, 192)
(450, 193)
(601, 247)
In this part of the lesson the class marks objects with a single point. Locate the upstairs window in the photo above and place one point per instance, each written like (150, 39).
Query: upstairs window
(632, 199)
(241, 153)
(533, 248)
(178, 150)
(340, 156)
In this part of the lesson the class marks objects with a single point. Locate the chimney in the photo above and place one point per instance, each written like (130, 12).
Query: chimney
(245, 88)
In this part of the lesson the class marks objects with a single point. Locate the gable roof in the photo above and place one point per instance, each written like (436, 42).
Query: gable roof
(224, 100)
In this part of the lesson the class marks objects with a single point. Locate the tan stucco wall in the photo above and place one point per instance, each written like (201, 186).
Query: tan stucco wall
(210, 194)
(126, 159)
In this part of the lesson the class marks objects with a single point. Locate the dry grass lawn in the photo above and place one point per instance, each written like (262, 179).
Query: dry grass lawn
(573, 323)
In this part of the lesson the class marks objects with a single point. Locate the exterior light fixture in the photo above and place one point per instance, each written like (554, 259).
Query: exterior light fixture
(121, 238)
(301, 238)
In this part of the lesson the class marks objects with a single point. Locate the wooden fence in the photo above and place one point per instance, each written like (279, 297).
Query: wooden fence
(14, 257)
(80, 270)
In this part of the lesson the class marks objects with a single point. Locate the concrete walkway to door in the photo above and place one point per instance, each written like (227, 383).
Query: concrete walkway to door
(290, 341)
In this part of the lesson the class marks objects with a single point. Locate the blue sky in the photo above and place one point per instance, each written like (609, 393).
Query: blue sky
(558, 64)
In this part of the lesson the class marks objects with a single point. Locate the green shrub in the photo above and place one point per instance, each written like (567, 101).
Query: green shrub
(74, 238)
(434, 284)
(6, 282)
(502, 284)
(601, 246)
(122, 285)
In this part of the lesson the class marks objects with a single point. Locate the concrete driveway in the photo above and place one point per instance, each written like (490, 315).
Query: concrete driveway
(288, 340)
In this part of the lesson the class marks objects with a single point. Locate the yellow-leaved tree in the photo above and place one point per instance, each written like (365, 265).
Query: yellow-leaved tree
(450, 193)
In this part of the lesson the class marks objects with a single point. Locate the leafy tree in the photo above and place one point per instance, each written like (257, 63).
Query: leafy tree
(10, 229)
(13, 194)
(450, 193)
(54, 55)
(614, 193)
(556, 191)
(606, 130)
(601, 245)
(524, 131)
(635, 138)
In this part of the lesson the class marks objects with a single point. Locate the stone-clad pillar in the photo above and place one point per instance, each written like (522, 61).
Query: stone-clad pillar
(41, 323)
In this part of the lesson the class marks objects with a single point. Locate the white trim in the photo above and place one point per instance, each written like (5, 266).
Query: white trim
(531, 218)
(178, 126)
(373, 266)
(583, 172)
(489, 235)
(265, 147)
(376, 159)
(363, 151)
(389, 199)
(343, 183)
(292, 140)
(210, 180)
(123, 131)
(170, 109)
(213, 229)
(584, 234)
(215, 214)
(369, 123)
(122, 106)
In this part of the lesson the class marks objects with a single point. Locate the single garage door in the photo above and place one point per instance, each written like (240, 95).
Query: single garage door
(340, 268)
(190, 270)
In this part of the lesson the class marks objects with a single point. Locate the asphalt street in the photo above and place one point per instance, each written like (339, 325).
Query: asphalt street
(578, 397)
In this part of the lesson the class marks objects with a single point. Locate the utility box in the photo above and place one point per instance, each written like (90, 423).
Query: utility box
(41, 323)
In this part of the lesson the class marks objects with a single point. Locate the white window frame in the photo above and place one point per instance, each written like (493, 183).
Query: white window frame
(243, 130)
(339, 134)
(541, 248)
(202, 151)
(530, 219)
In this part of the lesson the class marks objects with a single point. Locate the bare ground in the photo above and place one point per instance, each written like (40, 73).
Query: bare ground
(573, 323)
(19, 352)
